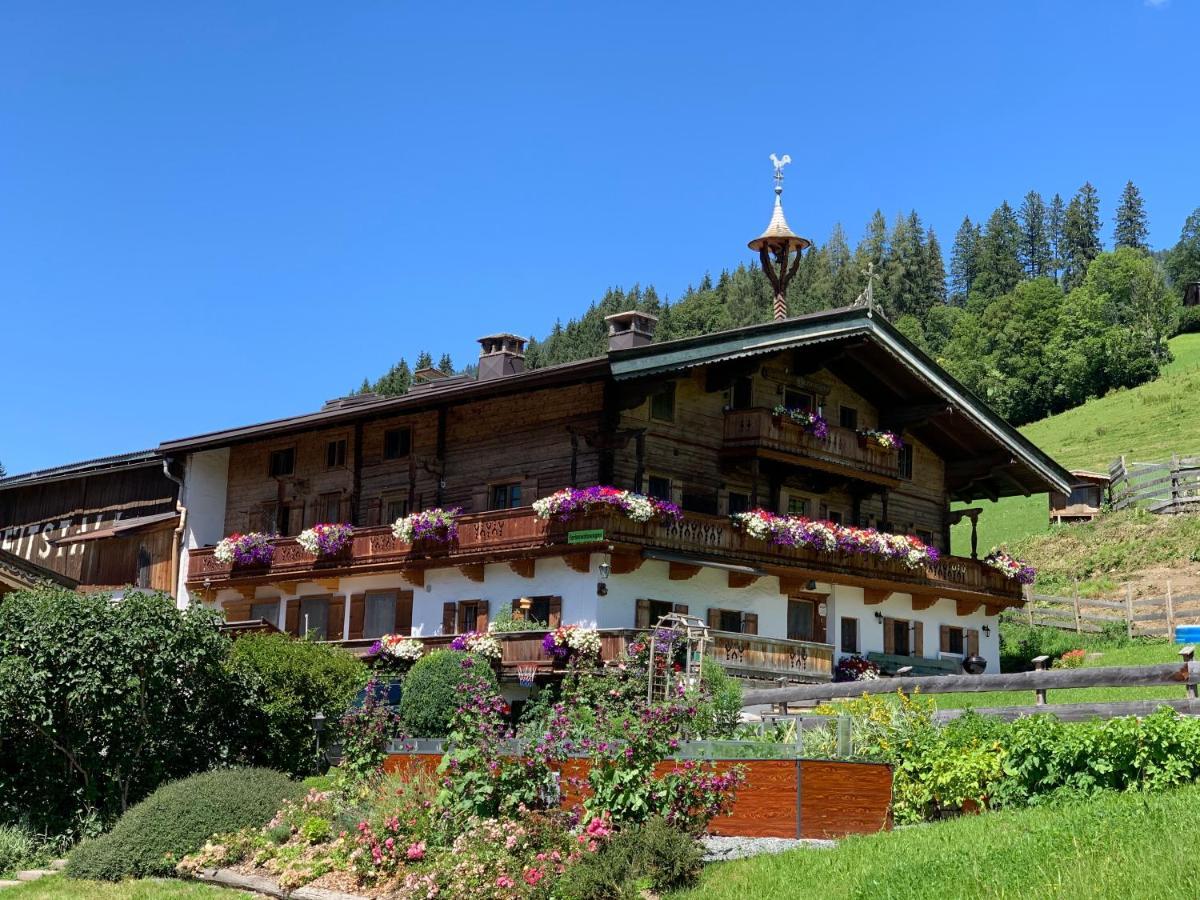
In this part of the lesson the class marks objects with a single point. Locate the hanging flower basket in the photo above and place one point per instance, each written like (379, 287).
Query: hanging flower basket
(571, 642)
(477, 642)
(881, 440)
(1010, 567)
(430, 527)
(253, 549)
(829, 537)
(572, 502)
(326, 539)
(810, 422)
(396, 651)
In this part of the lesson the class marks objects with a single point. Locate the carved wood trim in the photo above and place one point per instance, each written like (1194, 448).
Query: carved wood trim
(415, 577)
(923, 601)
(624, 563)
(473, 571)
(875, 596)
(681, 571)
(579, 562)
(742, 579)
(967, 607)
(523, 567)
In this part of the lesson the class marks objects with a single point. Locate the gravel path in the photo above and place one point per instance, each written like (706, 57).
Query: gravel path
(719, 849)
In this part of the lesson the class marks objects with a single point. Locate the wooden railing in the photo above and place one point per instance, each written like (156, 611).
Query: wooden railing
(842, 447)
(517, 533)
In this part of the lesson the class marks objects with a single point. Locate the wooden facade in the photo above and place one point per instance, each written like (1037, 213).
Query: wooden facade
(108, 523)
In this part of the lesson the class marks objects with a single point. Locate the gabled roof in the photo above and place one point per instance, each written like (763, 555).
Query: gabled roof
(134, 460)
(17, 572)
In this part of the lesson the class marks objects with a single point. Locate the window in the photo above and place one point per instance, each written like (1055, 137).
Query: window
(505, 496)
(268, 611)
(314, 617)
(798, 400)
(397, 443)
(380, 616)
(329, 508)
(801, 620)
(276, 518)
(742, 395)
(335, 454)
(849, 634)
(925, 536)
(906, 461)
(659, 488)
(658, 609)
(282, 463)
(730, 621)
(797, 506)
(395, 508)
(849, 418)
(662, 403)
(835, 517)
(699, 502)
(738, 503)
(900, 645)
(472, 616)
(545, 610)
(953, 640)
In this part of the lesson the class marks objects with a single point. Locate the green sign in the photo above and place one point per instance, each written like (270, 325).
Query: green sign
(585, 537)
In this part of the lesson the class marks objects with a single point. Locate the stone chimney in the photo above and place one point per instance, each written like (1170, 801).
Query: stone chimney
(630, 329)
(501, 355)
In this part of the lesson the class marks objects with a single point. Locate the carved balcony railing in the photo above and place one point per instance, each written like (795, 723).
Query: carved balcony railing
(516, 534)
(755, 430)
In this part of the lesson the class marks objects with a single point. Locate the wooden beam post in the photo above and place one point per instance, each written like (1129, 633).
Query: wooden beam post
(1186, 655)
(1039, 663)
(741, 579)
(1128, 610)
(1075, 606)
(875, 596)
(1170, 614)
(1027, 591)
(678, 571)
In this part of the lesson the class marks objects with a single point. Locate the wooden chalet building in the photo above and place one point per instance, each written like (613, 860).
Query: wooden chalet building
(690, 420)
(100, 524)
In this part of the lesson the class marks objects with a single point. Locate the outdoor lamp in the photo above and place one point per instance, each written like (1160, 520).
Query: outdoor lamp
(987, 631)
(605, 570)
(318, 723)
(878, 616)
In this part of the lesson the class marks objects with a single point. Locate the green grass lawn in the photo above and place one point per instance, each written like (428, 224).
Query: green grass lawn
(59, 887)
(1121, 846)
(1134, 654)
(1146, 423)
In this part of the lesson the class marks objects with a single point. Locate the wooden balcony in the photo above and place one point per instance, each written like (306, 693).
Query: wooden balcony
(517, 536)
(744, 655)
(761, 433)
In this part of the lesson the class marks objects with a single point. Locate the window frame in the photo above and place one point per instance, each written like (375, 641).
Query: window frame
(315, 598)
(388, 500)
(665, 390)
(276, 453)
(852, 418)
(650, 479)
(323, 500)
(856, 643)
(406, 444)
(797, 393)
(801, 603)
(510, 488)
(336, 448)
(729, 504)
(904, 462)
(389, 595)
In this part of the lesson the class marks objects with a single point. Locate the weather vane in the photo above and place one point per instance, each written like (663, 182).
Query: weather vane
(779, 164)
(778, 248)
(867, 297)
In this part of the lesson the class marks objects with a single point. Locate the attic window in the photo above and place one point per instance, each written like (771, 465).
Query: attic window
(282, 463)
(397, 443)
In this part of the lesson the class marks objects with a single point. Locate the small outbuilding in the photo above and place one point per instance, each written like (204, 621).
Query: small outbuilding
(1085, 500)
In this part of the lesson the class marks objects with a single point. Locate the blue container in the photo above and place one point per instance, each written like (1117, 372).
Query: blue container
(1187, 634)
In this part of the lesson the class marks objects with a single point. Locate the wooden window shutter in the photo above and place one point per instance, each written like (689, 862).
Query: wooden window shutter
(358, 615)
(481, 616)
(714, 618)
(292, 619)
(918, 646)
(449, 617)
(681, 608)
(889, 636)
(237, 612)
(971, 641)
(464, 610)
(554, 618)
(749, 623)
(337, 618)
(404, 607)
(945, 639)
(641, 618)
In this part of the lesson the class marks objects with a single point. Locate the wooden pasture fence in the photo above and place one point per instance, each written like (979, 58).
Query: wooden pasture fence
(1160, 487)
(1137, 616)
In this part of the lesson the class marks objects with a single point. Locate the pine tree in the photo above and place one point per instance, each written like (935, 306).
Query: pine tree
(841, 268)
(365, 387)
(1056, 217)
(1130, 229)
(999, 254)
(964, 261)
(1081, 235)
(445, 366)
(424, 361)
(873, 250)
(1183, 260)
(935, 272)
(1035, 239)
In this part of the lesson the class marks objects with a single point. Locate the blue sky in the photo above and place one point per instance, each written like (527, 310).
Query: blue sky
(217, 213)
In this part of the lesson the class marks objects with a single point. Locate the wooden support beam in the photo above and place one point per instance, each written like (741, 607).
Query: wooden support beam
(415, 577)
(285, 587)
(523, 567)
(247, 591)
(967, 607)
(330, 584)
(875, 596)
(681, 571)
(991, 609)
(624, 563)
(899, 417)
(742, 579)
(578, 562)
(923, 601)
(790, 587)
(472, 571)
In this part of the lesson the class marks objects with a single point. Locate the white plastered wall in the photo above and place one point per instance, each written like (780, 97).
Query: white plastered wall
(205, 482)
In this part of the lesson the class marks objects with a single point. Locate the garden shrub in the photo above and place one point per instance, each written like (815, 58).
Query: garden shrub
(17, 849)
(291, 680)
(432, 691)
(101, 702)
(1189, 320)
(178, 818)
(653, 856)
(722, 708)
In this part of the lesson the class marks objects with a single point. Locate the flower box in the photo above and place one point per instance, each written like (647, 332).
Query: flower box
(431, 527)
(572, 502)
(246, 550)
(326, 540)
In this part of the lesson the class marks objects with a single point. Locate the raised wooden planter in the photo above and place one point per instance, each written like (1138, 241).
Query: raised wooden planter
(786, 798)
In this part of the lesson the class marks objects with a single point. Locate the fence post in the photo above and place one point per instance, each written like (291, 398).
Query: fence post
(1075, 605)
(1028, 591)
(1186, 655)
(1170, 614)
(1174, 482)
(1039, 663)
(1128, 609)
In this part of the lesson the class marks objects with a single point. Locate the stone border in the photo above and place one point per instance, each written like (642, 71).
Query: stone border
(261, 885)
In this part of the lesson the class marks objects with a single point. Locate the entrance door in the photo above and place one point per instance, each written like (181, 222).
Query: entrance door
(801, 619)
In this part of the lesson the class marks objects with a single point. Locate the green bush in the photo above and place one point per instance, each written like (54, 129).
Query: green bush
(178, 818)
(101, 702)
(650, 857)
(432, 691)
(722, 708)
(17, 849)
(290, 681)
(1189, 320)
